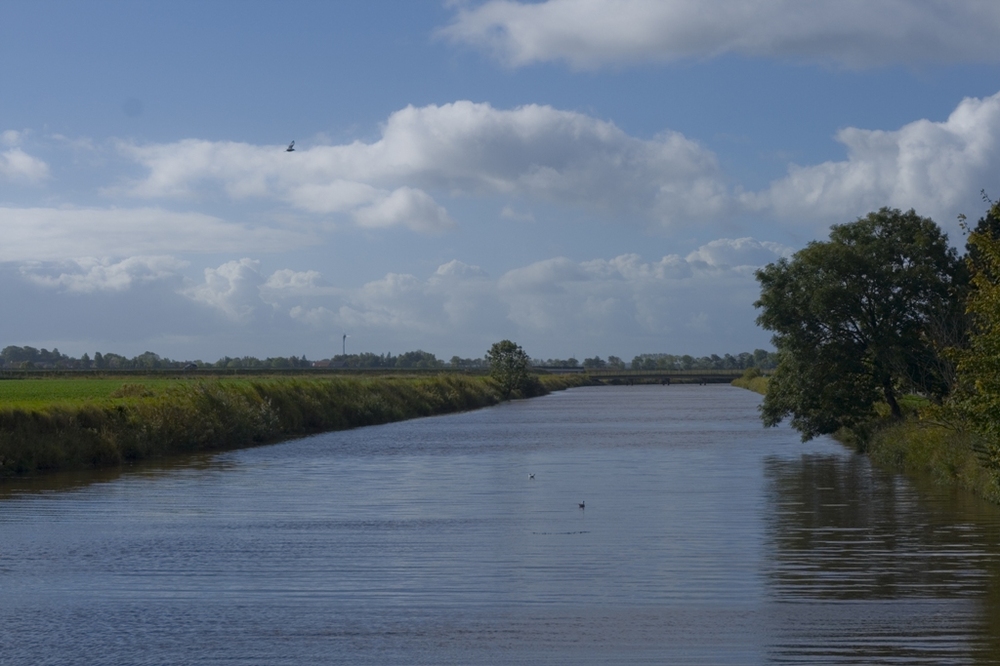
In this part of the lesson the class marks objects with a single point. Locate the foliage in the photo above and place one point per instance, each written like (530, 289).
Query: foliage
(859, 319)
(976, 401)
(753, 379)
(509, 367)
(943, 454)
(760, 358)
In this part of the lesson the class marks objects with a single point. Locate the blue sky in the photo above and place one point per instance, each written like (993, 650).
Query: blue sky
(585, 177)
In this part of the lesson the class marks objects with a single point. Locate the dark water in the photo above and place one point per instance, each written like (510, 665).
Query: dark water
(705, 540)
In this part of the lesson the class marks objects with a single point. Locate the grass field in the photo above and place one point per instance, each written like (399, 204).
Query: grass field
(36, 393)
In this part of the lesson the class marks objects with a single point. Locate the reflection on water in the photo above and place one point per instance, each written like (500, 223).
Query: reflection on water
(706, 539)
(876, 572)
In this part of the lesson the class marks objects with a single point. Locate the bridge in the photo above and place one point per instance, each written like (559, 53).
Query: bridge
(613, 376)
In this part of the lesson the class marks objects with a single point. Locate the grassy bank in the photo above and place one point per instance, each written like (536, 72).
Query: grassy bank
(45, 425)
(752, 380)
(944, 454)
(921, 448)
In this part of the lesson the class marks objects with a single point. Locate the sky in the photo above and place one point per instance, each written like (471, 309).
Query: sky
(584, 177)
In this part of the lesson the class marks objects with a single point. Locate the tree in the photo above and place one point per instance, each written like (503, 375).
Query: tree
(977, 397)
(509, 366)
(858, 319)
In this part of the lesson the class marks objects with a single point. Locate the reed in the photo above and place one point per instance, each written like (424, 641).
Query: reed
(138, 420)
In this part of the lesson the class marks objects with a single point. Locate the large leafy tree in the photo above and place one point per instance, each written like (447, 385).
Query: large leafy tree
(977, 399)
(859, 318)
(509, 366)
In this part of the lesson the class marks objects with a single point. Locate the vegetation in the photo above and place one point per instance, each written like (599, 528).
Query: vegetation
(861, 319)
(752, 380)
(88, 423)
(890, 342)
(509, 368)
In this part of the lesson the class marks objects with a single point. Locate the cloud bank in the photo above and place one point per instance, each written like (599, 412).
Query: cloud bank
(56, 234)
(460, 149)
(937, 168)
(589, 34)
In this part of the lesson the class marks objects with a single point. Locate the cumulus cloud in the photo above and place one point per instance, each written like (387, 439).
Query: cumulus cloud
(603, 297)
(88, 275)
(938, 168)
(233, 288)
(406, 206)
(17, 165)
(556, 307)
(463, 148)
(55, 234)
(739, 253)
(852, 33)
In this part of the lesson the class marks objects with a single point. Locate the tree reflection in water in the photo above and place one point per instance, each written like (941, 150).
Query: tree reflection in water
(868, 567)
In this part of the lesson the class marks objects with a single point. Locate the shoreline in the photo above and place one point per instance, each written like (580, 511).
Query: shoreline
(214, 415)
(920, 449)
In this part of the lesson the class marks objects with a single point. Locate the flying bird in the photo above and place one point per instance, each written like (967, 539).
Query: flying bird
(291, 148)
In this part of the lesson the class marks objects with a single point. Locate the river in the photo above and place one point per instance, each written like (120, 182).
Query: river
(704, 539)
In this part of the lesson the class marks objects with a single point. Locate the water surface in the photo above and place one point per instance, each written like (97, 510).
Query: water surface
(705, 539)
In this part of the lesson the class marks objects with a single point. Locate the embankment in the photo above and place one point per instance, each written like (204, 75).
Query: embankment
(922, 448)
(219, 414)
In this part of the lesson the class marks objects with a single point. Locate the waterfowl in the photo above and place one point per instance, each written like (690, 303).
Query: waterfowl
(582, 504)
(291, 148)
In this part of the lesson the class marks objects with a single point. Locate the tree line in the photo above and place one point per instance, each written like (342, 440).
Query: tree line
(884, 309)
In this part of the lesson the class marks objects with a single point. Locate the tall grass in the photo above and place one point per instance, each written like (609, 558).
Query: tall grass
(752, 380)
(918, 447)
(138, 421)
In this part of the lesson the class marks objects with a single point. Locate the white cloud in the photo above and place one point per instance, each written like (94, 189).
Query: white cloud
(558, 307)
(853, 33)
(11, 137)
(17, 165)
(463, 149)
(938, 168)
(54, 234)
(233, 288)
(605, 298)
(556, 299)
(406, 206)
(739, 252)
(89, 275)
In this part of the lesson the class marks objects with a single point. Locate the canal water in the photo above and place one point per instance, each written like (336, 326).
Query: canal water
(704, 539)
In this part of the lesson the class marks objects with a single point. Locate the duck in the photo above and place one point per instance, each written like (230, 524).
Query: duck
(582, 504)
(291, 148)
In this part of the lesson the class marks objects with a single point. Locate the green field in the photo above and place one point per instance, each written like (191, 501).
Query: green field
(35, 393)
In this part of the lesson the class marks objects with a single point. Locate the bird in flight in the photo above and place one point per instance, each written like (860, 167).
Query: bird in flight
(291, 148)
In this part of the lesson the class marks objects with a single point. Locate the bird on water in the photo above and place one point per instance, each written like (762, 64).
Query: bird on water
(531, 476)
(291, 148)
(582, 504)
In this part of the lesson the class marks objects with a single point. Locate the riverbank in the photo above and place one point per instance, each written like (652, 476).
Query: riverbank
(140, 421)
(920, 448)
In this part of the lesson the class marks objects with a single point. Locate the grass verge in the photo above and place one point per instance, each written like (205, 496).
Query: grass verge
(141, 420)
(919, 448)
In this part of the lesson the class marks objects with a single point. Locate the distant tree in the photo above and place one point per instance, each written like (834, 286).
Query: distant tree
(616, 363)
(855, 319)
(595, 363)
(509, 367)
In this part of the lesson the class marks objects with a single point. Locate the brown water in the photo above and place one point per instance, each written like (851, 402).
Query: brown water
(705, 540)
